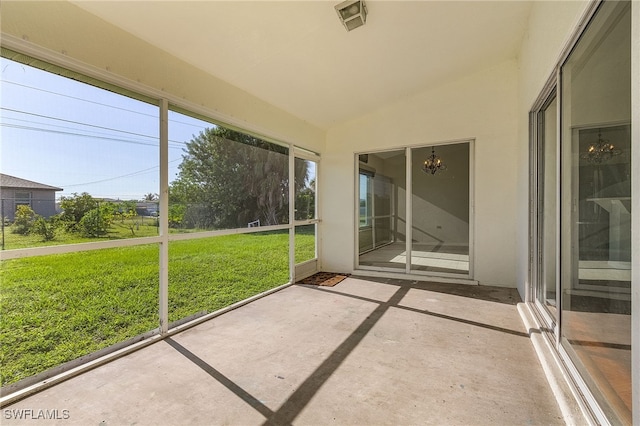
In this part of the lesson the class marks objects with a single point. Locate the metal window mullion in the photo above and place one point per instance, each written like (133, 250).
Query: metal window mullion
(316, 209)
(409, 209)
(530, 294)
(471, 240)
(373, 212)
(393, 218)
(163, 308)
(292, 228)
(356, 236)
(558, 190)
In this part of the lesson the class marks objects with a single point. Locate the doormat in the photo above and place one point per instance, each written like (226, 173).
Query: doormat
(325, 279)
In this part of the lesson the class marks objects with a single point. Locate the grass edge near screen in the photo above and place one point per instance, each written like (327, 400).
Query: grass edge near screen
(57, 308)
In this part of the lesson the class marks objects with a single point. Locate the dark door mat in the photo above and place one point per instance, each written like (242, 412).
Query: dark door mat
(326, 279)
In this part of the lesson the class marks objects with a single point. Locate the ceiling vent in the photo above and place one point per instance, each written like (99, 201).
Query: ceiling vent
(352, 13)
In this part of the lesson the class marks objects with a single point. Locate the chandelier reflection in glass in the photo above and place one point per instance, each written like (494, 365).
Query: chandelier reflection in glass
(600, 151)
(433, 164)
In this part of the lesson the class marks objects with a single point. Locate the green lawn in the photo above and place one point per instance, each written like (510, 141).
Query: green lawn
(142, 227)
(56, 308)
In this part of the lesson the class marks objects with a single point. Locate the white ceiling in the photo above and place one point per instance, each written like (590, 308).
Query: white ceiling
(297, 56)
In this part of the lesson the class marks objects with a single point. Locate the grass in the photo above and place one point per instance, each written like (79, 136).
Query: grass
(208, 274)
(143, 227)
(57, 308)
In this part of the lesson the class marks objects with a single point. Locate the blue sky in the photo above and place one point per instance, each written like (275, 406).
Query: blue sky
(60, 132)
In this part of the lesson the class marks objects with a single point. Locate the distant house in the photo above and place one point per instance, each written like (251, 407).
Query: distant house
(15, 191)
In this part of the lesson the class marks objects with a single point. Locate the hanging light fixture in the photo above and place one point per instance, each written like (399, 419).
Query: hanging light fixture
(433, 164)
(600, 151)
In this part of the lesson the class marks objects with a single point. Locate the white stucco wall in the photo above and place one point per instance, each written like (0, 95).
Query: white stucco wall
(550, 27)
(70, 33)
(480, 106)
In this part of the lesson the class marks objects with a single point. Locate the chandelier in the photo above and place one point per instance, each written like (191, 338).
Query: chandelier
(600, 151)
(433, 164)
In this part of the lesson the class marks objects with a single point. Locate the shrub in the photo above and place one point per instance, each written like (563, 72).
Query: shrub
(96, 222)
(46, 228)
(176, 215)
(74, 208)
(24, 219)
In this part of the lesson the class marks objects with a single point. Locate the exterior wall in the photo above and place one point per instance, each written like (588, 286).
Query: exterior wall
(43, 202)
(8, 207)
(551, 24)
(117, 55)
(480, 106)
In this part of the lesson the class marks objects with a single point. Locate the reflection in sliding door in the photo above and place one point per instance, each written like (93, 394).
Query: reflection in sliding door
(381, 233)
(596, 210)
(440, 210)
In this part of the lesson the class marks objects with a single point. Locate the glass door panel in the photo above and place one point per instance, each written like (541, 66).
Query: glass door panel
(547, 206)
(596, 209)
(440, 210)
(305, 189)
(382, 213)
(305, 210)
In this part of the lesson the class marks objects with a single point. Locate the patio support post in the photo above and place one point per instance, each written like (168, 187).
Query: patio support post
(163, 217)
(292, 210)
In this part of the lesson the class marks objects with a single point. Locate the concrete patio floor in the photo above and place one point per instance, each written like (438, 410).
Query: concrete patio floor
(367, 351)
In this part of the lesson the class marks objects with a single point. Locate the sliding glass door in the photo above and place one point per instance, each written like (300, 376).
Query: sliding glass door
(596, 208)
(440, 210)
(547, 193)
(582, 223)
(381, 202)
(428, 232)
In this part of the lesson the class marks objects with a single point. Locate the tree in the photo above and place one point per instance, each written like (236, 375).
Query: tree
(126, 212)
(227, 179)
(306, 202)
(150, 197)
(75, 207)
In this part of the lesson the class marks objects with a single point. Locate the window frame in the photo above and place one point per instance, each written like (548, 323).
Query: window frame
(22, 198)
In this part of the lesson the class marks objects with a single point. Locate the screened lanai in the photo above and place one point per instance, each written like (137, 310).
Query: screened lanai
(212, 154)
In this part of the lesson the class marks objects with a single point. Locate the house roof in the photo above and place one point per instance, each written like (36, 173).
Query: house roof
(7, 181)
